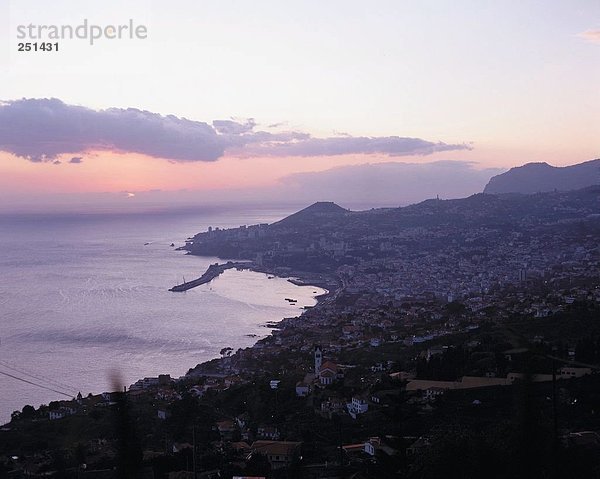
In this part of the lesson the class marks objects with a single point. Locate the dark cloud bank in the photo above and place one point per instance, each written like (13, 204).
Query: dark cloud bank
(44, 129)
(356, 187)
(389, 184)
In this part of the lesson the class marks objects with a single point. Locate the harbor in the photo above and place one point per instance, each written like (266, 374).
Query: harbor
(213, 271)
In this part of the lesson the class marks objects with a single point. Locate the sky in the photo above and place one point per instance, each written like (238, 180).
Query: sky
(267, 100)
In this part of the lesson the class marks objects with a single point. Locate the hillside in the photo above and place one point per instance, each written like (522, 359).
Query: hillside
(321, 210)
(541, 177)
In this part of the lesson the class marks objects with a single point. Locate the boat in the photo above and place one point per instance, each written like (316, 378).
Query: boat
(172, 245)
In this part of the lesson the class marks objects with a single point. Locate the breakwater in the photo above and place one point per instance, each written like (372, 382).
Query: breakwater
(211, 273)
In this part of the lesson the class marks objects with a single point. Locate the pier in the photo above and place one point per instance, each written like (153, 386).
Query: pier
(211, 273)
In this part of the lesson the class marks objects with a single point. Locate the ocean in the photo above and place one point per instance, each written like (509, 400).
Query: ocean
(84, 299)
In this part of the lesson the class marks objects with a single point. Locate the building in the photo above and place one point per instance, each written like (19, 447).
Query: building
(267, 432)
(523, 275)
(163, 414)
(328, 373)
(302, 389)
(318, 359)
(568, 373)
(61, 412)
(278, 453)
(357, 406)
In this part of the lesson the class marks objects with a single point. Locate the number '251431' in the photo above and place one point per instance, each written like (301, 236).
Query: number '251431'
(38, 47)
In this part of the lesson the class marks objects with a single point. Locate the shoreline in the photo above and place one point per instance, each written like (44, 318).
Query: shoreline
(329, 284)
(297, 278)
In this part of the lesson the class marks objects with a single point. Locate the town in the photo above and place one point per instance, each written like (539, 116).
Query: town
(456, 335)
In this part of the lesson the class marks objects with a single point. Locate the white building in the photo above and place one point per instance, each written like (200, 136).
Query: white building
(357, 406)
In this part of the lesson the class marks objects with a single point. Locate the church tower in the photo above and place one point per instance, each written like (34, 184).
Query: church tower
(318, 360)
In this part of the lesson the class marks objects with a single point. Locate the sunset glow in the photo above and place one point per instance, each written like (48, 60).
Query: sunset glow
(422, 82)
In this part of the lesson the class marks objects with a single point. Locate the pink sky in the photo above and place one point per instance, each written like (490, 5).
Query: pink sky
(117, 172)
(346, 82)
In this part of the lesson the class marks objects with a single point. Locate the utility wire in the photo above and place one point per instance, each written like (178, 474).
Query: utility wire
(51, 382)
(70, 396)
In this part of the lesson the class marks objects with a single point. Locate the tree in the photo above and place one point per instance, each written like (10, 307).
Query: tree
(226, 352)
(28, 412)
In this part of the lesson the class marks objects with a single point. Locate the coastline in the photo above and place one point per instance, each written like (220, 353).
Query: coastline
(297, 278)
(216, 365)
(330, 284)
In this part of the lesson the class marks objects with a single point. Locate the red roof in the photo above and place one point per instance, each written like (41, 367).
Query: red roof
(329, 365)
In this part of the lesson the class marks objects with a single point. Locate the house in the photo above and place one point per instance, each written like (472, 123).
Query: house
(372, 445)
(376, 445)
(162, 394)
(302, 389)
(267, 432)
(61, 412)
(432, 393)
(274, 384)
(568, 373)
(136, 395)
(279, 453)
(379, 367)
(357, 406)
(111, 397)
(388, 396)
(226, 428)
(241, 420)
(146, 383)
(241, 447)
(354, 449)
(163, 414)
(58, 414)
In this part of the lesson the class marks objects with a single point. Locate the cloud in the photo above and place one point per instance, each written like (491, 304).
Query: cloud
(76, 159)
(590, 35)
(346, 145)
(44, 129)
(230, 127)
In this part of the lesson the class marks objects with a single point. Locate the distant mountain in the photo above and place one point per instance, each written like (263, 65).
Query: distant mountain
(321, 210)
(540, 177)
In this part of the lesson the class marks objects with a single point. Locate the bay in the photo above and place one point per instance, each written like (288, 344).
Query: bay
(85, 297)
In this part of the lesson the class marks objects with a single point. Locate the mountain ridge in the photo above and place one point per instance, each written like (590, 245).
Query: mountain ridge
(541, 177)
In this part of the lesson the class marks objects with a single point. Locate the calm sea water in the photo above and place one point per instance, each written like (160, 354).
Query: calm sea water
(83, 296)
